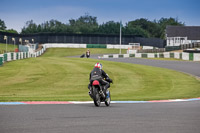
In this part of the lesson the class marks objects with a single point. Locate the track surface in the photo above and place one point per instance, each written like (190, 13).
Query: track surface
(175, 117)
(178, 117)
(182, 66)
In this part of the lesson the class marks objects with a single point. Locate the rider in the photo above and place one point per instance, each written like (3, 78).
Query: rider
(88, 53)
(98, 74)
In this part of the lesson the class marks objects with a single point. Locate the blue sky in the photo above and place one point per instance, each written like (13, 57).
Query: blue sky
(16, 12)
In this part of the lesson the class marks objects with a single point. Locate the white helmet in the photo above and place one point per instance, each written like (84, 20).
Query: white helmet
(98, 65)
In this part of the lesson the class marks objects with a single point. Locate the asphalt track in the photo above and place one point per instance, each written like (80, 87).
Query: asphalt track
(167, 117)
(176, 117)
(189, 67)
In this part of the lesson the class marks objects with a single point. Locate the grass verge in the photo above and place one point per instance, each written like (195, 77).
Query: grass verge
(53, 77)
(10, 48)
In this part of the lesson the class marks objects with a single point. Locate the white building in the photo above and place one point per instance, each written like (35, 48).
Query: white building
(179, 35)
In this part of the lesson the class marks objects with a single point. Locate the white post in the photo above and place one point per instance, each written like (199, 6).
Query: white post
(13, 39)
(120, 38)
(6, 38)
(6, 45)
(20, 40)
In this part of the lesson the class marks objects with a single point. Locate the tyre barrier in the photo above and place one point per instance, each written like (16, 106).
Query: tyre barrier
(176, 55)
(12, 56)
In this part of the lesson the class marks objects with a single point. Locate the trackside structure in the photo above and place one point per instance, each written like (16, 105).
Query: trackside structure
(181, 35)
(12, 56)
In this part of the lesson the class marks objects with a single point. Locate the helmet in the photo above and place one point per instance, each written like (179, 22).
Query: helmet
(98, 65)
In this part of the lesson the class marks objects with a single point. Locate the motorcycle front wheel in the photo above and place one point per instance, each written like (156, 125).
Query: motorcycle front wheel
(108, 98)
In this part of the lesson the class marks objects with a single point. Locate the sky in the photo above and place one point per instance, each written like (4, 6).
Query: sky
(15, 13)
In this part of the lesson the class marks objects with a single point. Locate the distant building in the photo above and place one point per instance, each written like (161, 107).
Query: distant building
(179, 35)
(28, 48)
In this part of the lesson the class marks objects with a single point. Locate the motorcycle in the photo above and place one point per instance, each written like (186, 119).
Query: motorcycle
(98, 95)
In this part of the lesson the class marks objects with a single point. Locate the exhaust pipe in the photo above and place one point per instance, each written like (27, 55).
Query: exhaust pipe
(90, 93)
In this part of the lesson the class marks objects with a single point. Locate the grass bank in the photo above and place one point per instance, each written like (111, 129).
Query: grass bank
(54, 77)
(10, 48)
(64, 52)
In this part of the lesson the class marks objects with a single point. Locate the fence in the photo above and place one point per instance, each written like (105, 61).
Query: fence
(182, 47)
(69, 45)
(151, 50)
(42, 38)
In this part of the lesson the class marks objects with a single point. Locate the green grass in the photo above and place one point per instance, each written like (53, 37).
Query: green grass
(10, 48)
(54, 77)
(63, 52)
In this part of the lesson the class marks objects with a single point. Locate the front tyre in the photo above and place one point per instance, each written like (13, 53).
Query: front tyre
(108, 98)
(96, 97)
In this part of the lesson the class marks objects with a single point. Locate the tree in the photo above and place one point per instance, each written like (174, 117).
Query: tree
(11, 31)
(84, 24)
(87, 24)
(136, 31)
(109, 27)
(2, 25)
(151, 28)
(30, 27)
(163, 22)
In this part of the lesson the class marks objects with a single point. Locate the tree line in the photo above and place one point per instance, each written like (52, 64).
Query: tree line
(87, 24)
(4, 28)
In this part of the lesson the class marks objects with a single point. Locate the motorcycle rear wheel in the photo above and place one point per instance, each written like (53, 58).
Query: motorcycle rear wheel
(97, 101)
